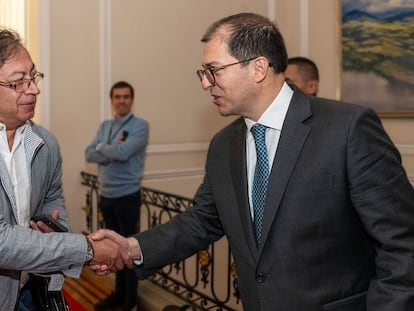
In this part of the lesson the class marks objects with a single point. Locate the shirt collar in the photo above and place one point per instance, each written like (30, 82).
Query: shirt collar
(21, 129)
(275, 114)
(124, 118)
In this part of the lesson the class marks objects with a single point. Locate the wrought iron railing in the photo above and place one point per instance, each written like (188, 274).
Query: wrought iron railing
(207, 280)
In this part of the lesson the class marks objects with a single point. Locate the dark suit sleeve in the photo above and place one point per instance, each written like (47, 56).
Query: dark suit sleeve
(181, 237)
(384, 199)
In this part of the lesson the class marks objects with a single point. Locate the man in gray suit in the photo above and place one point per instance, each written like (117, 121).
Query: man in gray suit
(30, 175)
(337, 228)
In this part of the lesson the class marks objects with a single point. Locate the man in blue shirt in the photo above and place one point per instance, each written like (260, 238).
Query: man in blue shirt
(119, 150)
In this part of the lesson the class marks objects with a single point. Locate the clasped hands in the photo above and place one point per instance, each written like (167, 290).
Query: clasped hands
(112, 252)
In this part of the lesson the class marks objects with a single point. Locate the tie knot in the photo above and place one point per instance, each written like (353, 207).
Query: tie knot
(258, 131)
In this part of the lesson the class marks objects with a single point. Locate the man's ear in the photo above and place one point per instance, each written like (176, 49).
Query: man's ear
(313, 87)
(261, 68)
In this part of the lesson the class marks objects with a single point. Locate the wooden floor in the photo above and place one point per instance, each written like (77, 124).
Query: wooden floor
(89, 288)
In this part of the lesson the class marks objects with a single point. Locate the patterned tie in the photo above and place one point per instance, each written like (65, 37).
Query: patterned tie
(261, 177)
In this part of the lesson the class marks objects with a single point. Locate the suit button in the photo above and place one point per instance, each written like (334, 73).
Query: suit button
(260, 278)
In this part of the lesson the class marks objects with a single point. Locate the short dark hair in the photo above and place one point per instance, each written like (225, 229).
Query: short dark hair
(306, 67)
(121, 85)
(250, 35)
(10, 44)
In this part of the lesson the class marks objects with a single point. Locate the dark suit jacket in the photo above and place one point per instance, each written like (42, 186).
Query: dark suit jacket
(338, 230)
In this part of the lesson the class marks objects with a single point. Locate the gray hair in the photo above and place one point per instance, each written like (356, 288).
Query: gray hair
(10, 44)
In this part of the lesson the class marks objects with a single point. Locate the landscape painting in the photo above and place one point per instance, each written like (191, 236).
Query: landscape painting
(378, 55)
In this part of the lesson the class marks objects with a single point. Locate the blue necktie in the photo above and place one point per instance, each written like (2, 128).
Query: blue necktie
(261, 177)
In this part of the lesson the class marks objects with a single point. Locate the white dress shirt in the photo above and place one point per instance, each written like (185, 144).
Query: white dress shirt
(273, 118)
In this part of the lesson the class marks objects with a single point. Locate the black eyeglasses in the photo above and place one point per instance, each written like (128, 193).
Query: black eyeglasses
(22, 85)
(209, 71)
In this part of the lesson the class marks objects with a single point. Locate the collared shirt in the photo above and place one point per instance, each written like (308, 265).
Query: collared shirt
(16, 163)
(273, 118)
(120, 165)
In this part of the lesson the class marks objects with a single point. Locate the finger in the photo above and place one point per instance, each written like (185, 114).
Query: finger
(103, 273)
(97, 236)
(126, 259)
(96, 267)
(43, 227)
(119, 264)
(34, 226)
(112, 235)
(55, 214)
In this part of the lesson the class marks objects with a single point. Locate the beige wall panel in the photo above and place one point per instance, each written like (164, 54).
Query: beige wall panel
(288, 20)
(156, 46)
(312, 31)
(75, 94)
(324, 44)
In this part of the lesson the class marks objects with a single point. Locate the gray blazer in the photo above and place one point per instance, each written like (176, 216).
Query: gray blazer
(23, 249)
(338, 230)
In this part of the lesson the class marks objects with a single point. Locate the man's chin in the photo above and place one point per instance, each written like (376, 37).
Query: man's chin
(224, 112)
(28, 115)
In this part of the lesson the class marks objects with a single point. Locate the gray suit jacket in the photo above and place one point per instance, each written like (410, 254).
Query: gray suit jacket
(23, 249)
(338, 230)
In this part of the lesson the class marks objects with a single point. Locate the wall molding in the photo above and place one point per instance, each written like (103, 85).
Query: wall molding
(197, 172)
(105, 58)
(304, 27)
(162, 149)
(271, 9)
(406, 149)
(175, 149)
(44, 26)
(185, 173)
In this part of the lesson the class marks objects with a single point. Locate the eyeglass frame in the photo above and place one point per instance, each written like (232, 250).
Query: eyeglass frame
(15, 84)
(211, 69)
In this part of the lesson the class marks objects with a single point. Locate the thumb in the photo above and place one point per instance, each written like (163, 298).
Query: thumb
(107, 234)
(55, 214)
(98, 235)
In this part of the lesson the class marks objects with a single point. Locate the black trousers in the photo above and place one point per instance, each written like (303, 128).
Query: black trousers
(122, 215)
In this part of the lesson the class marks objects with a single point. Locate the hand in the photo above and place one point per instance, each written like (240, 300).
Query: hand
(41, 226)
(131, 244)
(110, 255)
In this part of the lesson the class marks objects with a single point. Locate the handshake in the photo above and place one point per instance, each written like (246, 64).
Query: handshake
(111, 252)
(107, 250)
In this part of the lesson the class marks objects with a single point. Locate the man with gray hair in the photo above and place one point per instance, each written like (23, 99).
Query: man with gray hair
(30, 173)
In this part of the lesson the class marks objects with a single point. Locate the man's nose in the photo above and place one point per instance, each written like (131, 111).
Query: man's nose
(205, 83)
(32, 89)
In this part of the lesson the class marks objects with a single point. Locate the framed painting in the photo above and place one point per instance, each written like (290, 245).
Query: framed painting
(378, 55)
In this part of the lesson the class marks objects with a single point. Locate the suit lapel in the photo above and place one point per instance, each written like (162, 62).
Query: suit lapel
(292, 139)
(239, 174)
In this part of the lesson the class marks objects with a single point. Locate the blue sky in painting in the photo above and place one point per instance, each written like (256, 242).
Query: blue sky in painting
(375, 6)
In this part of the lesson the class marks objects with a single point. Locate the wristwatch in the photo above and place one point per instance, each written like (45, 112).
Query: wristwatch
(90, 252)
